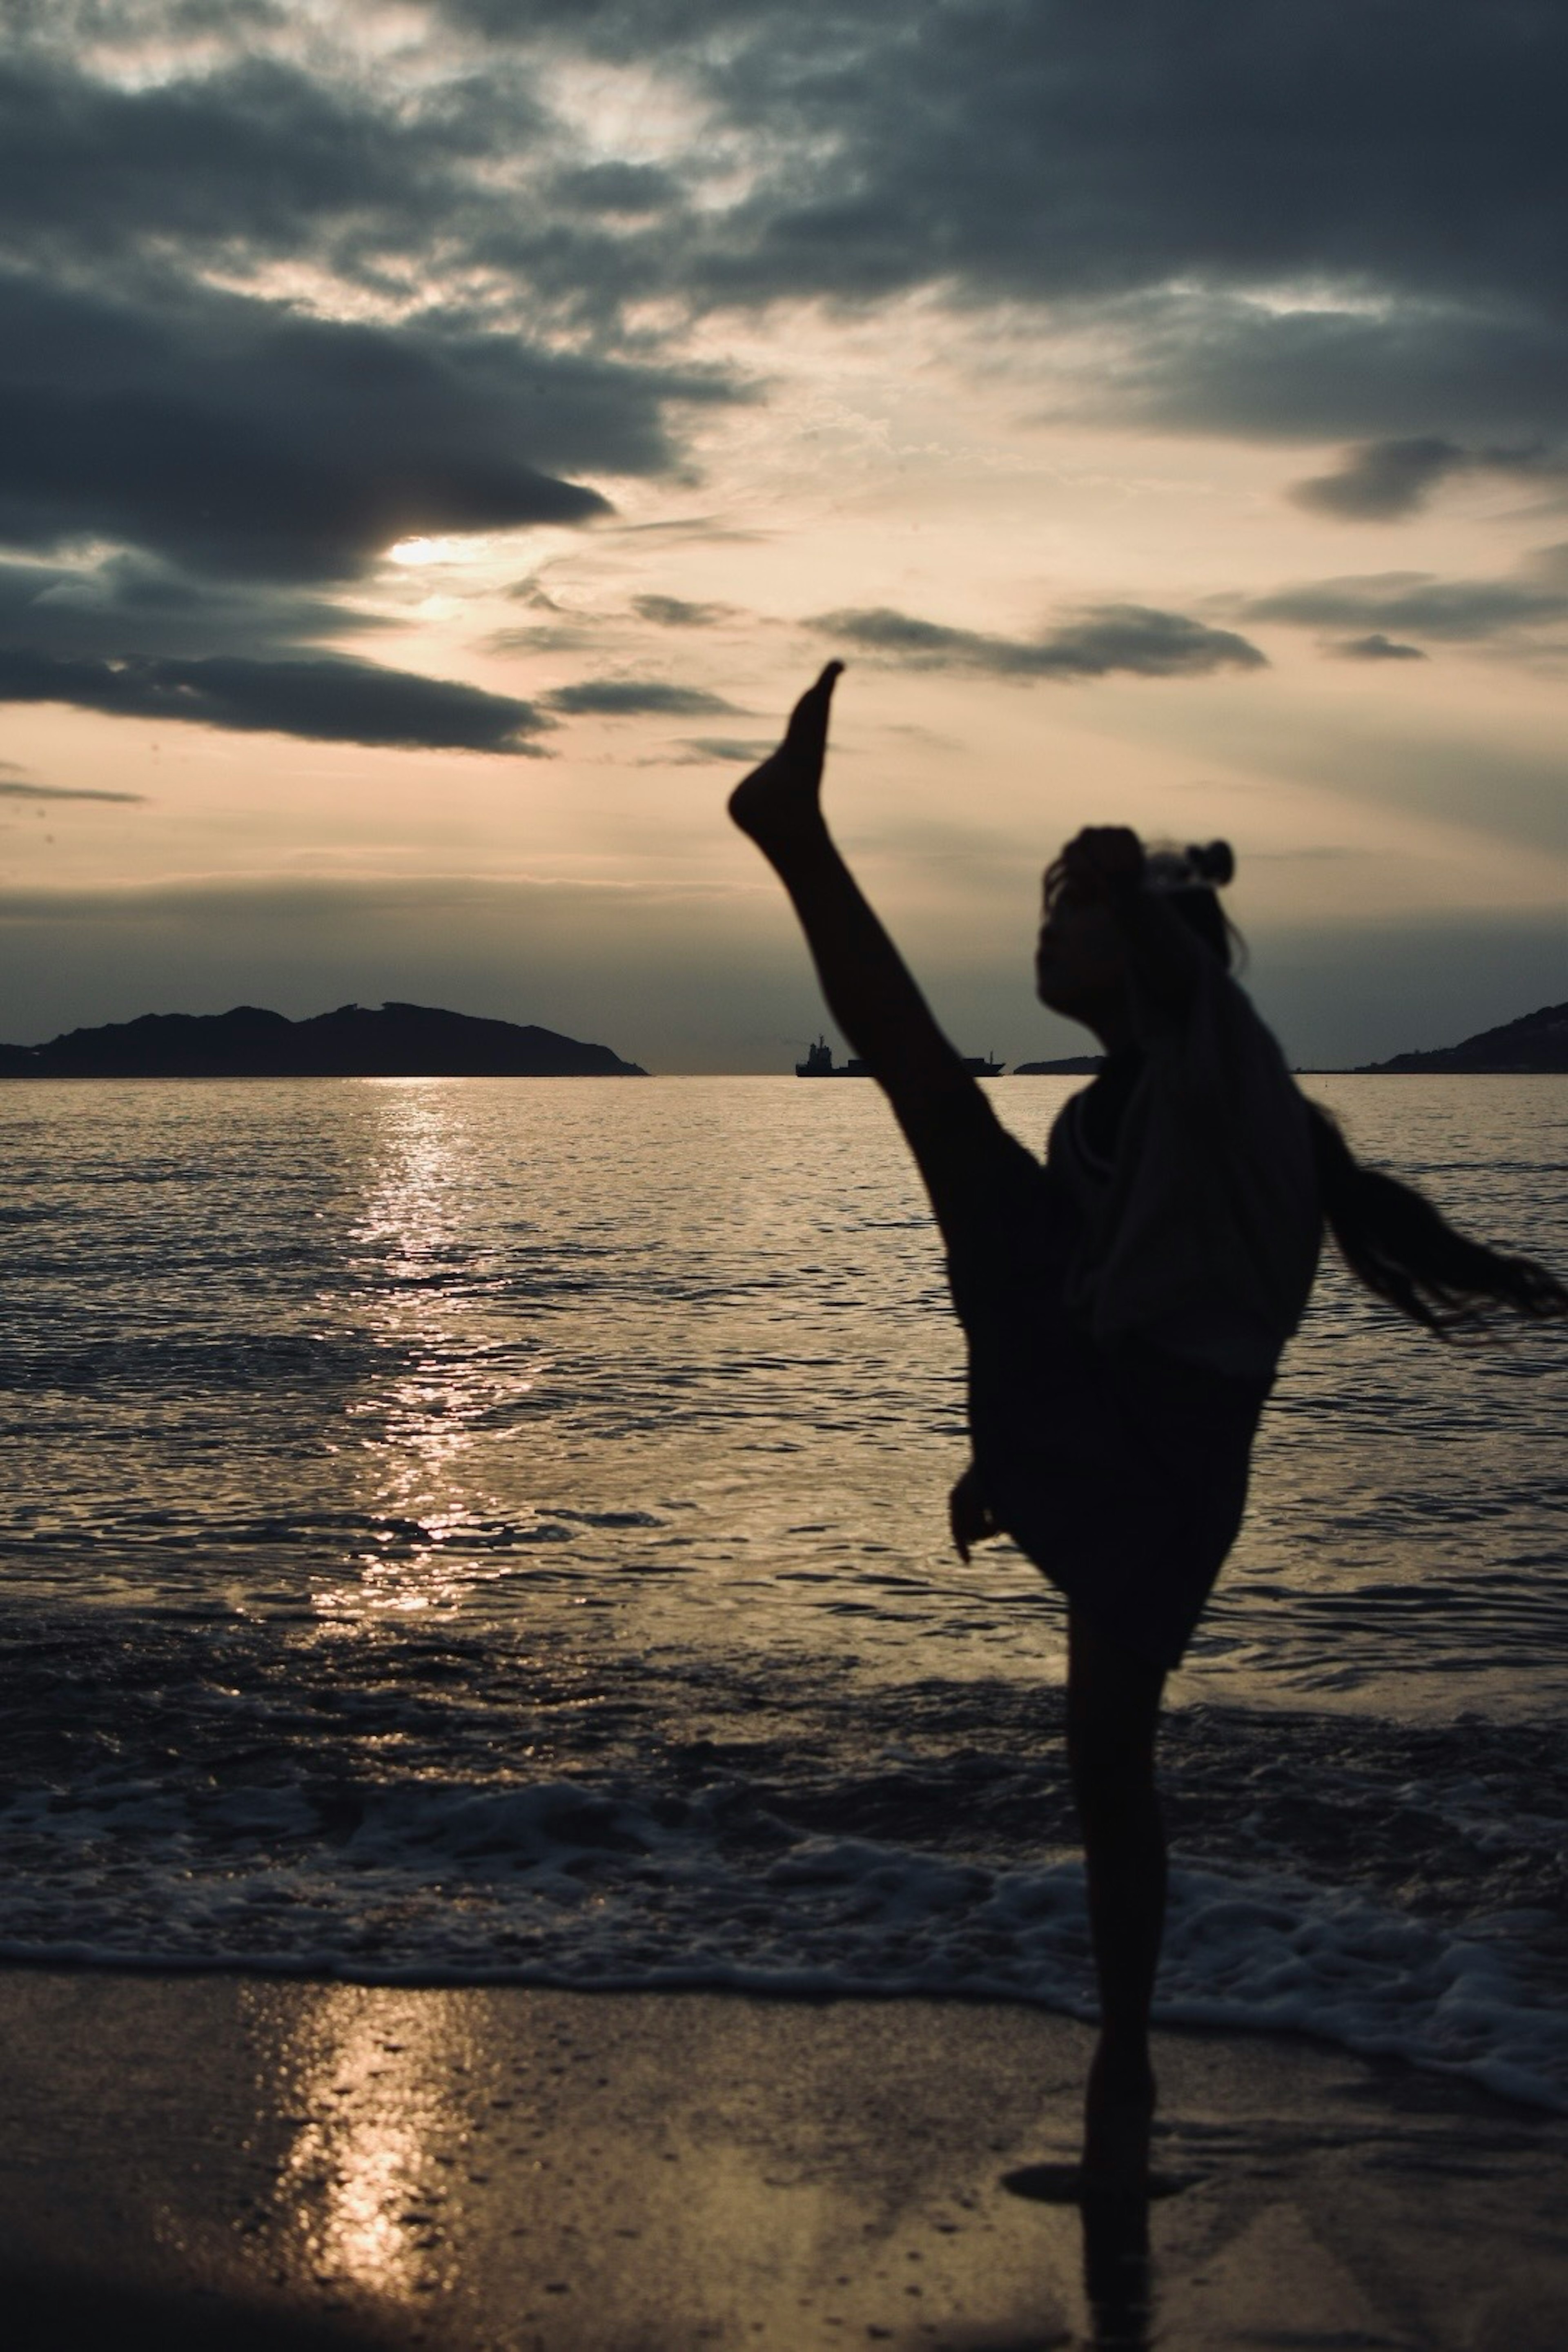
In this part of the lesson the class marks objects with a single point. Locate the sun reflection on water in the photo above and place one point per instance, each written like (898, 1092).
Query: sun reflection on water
(427, 1282)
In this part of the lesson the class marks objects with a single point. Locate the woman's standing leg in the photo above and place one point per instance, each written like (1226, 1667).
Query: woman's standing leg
(1113, 1712)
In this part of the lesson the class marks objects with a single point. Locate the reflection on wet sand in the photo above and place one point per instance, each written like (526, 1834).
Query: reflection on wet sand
(508, 2170)
(372, 2087)
(1117, 2282)
(419, 2160)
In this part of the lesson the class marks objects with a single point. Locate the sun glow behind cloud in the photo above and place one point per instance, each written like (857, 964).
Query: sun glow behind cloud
(416, 553)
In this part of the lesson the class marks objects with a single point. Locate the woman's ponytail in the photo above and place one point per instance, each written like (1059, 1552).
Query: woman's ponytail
(1395, 1242)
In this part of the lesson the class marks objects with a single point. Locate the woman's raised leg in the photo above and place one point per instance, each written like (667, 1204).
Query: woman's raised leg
(868, 989)
(1113, 1712)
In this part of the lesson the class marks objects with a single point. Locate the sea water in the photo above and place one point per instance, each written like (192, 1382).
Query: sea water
(494, 1529)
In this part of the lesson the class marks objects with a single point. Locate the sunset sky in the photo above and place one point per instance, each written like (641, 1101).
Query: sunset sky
(439, 442)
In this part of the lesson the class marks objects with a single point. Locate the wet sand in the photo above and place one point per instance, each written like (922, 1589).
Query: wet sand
(241, 2162)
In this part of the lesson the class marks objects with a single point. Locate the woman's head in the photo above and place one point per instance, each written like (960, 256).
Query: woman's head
(1080, 958)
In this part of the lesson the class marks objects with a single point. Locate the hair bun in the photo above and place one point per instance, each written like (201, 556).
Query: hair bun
(1213, 862)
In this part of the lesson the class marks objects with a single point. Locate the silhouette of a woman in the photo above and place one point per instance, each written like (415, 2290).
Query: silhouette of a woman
(1124, 1304)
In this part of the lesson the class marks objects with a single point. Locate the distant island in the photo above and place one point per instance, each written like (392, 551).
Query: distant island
(391, 1041)
(1070, 1066)
(1537, 1042)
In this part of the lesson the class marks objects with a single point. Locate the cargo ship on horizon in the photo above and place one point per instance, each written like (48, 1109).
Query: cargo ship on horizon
(819, 1064)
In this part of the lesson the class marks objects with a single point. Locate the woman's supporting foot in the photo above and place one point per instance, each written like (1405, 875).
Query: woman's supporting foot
(1118, 2118)
(777, 804)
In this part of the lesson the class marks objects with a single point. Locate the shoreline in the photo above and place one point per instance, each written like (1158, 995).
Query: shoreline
(267, 2160)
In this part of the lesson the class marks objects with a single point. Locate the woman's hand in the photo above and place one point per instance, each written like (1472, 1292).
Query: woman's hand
(967, 1517)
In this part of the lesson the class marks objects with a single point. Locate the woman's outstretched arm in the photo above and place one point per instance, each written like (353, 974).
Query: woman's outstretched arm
(865, 979)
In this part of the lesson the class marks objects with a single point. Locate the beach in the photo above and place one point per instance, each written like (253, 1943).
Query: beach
(238, 2161)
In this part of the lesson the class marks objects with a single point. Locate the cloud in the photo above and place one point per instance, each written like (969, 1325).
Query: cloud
(676, 612)
(633, 189)
(699, 531)
(19, 789)
(135, 638)
(1215, 362)
(328, 699)
(1418, 603)
(239, 438)
(260, 152)
(629, 697)
(705, 750)
(1383, 479)
(126, 604)
(1134, 638)
(1285, 221)
(562, 638)
(273, 295)
(1375, 648)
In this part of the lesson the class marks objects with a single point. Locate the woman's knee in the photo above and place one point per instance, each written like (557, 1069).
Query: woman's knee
(1113, 1711)
(1112, 1766)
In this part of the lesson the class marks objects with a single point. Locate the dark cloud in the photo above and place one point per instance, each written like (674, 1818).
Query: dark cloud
(245, 439)
(676, 613)
(701, 530)
(140, 638)
(16, 788)
(632, 189)
(529, 592)
(1383, 479)
(743, 751)
(1375, 648)
(240, 453)
(1317, 224)
(257, 156)
(563, 638)
(1128, 637)
(1328, 222)
(1209, 360)
(1415, 603)
(328, 699)
(1334, 221)
(633, 698)
(126, 604)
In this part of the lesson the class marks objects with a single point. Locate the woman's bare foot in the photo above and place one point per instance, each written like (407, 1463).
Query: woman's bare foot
(1118, 2117)
(777, 802)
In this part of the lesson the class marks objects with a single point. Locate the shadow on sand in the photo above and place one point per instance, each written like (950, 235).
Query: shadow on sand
(51, 2310)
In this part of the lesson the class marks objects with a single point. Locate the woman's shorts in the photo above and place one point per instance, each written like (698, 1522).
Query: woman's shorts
(1120, 1473)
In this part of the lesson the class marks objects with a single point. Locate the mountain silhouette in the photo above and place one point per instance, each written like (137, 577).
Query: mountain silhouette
(1537, 1041)
(391, 1041)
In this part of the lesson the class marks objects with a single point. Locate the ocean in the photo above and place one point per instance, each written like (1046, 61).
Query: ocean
(476, 1531)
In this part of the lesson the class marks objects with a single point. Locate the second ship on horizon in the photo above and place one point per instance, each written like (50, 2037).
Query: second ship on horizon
(819, 1064)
